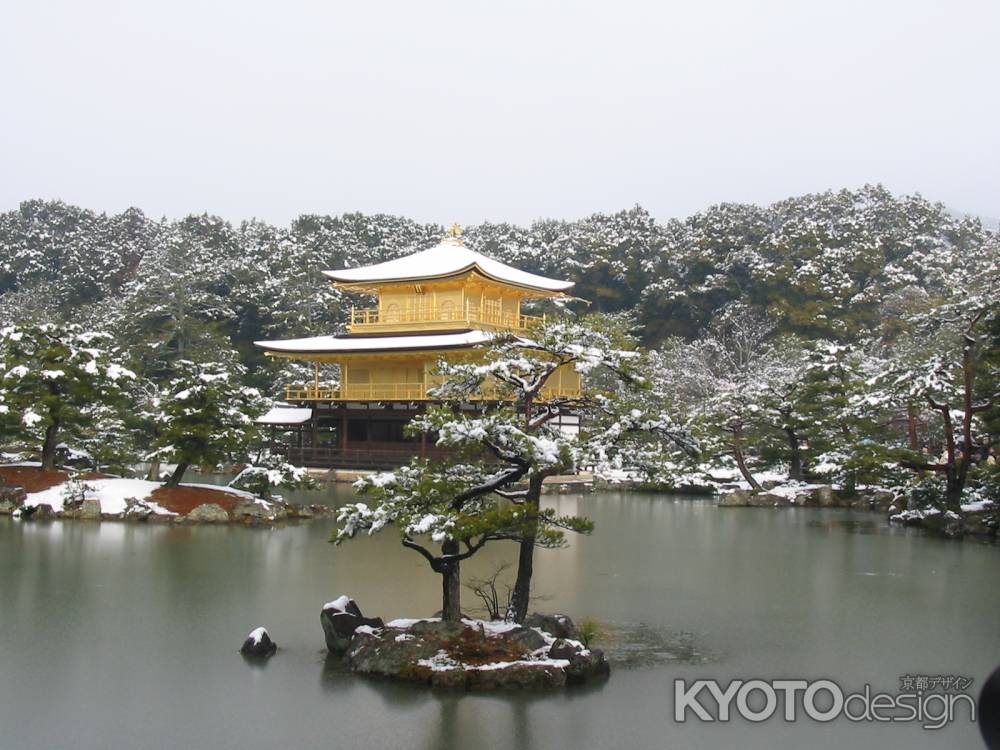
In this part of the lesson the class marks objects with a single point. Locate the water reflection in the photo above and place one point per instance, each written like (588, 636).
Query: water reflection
(127, 634)
(637, 645)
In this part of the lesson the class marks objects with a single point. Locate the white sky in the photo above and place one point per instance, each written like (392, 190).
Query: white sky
(506, 111)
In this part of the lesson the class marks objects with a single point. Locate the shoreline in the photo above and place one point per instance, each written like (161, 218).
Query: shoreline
(29, 493)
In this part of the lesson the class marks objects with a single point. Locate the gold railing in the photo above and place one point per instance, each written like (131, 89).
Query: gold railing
(469, 315)
(400, 392)
(311, 392)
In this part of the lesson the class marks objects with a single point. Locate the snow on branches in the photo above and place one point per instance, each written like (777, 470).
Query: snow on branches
(55, 377)
(204, 414)
(490, 489)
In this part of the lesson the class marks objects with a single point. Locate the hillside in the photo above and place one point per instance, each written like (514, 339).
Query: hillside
(830, 265)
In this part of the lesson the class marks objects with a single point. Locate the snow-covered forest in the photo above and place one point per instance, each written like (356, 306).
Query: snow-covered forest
(850, 334)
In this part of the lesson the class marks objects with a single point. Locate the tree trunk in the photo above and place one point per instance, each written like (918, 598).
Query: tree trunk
(795, 456)
(851, 483)
(521, 596)
(911, 428)
(968, 411)
(153, 474)
(954, 485)
(49, 446)
(175, 478)
(522, 584)
(741, 461)
(451, 584)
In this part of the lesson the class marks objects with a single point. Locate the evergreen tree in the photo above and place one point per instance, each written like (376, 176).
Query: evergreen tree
(204, 415)
(465, 503)
(54, 376)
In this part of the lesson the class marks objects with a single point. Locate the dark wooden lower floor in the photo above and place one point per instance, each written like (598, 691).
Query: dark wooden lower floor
(355, 436)
(365, 457)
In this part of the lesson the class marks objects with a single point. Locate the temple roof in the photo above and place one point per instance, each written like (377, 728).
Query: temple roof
(448, 258)
(284, 415)
(360, 344)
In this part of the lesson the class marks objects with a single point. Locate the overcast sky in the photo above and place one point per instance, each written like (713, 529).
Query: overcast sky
(501, 111)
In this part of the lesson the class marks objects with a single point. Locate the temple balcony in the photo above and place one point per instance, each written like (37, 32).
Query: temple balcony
(402, 392)
(439, 318)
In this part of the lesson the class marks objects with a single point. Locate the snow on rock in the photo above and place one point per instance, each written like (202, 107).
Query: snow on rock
(339, 604)
(793, 489)
(341, 619)
(472, 654)
(492, 627)
(258, 644)
(978, 505)
(915, 515)
(404, 623)
(257, 634)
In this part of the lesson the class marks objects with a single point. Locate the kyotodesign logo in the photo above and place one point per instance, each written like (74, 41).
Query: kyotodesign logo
(931, 701)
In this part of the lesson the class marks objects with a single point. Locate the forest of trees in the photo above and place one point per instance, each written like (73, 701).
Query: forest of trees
(853, 332)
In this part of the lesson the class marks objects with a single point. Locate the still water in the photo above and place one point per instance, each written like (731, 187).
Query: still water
(125, 636)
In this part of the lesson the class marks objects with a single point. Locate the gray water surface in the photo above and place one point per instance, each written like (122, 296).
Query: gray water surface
(120, 635)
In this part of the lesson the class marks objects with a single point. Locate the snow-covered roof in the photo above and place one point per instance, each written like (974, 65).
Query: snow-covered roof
(285, 415)
(449, 258)
(357, 344)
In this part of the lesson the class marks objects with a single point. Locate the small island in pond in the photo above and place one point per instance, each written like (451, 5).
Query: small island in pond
(468, 654)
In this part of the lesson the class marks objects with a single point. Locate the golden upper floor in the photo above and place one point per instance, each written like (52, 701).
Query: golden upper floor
(411, 379)
(445, 288)
(443, 307)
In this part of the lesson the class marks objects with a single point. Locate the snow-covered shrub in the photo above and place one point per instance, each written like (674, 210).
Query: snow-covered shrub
(987, 480)
(260, 479)
(75, 491)
(927, 494)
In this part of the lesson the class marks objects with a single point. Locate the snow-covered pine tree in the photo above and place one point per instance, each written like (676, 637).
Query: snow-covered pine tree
(204, 415)
(491, 490)
(54, 376)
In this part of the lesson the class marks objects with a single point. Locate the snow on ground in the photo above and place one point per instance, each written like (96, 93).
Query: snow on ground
(978, 505)
(492, 627)
(230, 490)
(973, 507)
(112, 494)
(443, 662)
(404, 623)
(735, 480)
(793, 489)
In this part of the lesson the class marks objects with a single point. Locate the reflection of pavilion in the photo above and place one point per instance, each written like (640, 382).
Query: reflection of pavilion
(442, 302)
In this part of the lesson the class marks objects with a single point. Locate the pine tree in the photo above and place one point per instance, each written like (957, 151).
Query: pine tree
(204, 415)
(492, 489)
(53, 376)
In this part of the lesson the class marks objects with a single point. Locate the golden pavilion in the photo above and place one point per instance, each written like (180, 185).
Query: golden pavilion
(444, 302)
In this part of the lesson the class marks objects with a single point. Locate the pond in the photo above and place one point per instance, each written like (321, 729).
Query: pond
(120, 635)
